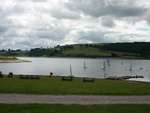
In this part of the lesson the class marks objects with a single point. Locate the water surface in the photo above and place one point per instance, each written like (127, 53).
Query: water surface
(81, 67)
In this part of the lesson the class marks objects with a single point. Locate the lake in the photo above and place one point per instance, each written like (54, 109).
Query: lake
(81, 67)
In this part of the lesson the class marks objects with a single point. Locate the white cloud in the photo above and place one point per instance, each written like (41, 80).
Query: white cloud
(35, 23)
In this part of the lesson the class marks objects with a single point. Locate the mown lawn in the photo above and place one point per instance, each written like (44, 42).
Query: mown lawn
(56, 86)
(35, 108)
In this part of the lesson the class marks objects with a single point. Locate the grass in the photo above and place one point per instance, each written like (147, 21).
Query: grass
(84, 51)
(7, 58)
(56, 86)
(37, 108)
(78, 51)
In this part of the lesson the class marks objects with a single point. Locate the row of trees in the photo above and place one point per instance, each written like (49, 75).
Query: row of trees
(142, 48)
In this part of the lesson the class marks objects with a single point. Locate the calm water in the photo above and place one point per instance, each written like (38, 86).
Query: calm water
(80, 67)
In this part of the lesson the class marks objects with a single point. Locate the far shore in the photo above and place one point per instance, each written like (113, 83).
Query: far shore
(14, 61)
(98, 57)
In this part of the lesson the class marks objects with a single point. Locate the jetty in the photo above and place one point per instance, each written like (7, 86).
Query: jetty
(124, 77)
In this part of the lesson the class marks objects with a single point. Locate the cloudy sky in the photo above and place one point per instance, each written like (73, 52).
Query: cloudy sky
(45, 23)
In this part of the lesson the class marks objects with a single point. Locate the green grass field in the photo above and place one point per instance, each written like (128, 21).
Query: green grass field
(7, 58)
(35, 108)
(56, 86)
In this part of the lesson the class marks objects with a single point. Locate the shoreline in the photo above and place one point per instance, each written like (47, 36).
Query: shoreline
(77, 77)
(13, 61)
(103, 57)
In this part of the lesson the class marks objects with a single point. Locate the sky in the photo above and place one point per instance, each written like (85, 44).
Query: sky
(26, 24)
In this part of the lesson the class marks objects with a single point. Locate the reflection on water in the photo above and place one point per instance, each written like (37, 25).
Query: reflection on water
(80, 67)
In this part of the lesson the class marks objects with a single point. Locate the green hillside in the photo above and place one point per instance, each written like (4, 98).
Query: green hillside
(85, 51)
(115, 50)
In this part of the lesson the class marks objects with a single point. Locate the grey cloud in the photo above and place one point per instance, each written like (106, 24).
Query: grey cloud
(99, 8)
(87, 21)
(55, 32)
(108, 22)
(16, 9)
(32, 0)
(4, 25)
(125, 11)
(94, 37)
(65, 14)
(26, 43)
(39, 0)
(147, 17)
(13, 43)
(3, 29)
(108, 37)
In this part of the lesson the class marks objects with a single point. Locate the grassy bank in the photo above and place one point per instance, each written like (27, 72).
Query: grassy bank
(56, 86)
(74, 108)
(7, 58)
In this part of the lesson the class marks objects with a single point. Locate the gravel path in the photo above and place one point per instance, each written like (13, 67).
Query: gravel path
(72, 99)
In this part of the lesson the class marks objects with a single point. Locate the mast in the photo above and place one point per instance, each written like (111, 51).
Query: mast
(84, 65)
(108, 62)
(131, 68)
(70, 70)
(104, 68)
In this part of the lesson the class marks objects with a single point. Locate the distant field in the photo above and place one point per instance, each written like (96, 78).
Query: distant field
(56, 86)
(35, 108)
(92, 51)
(86, 51)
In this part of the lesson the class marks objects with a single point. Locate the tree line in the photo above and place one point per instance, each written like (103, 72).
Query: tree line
(141, 48)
